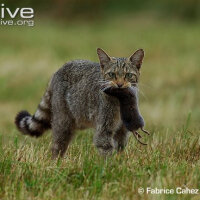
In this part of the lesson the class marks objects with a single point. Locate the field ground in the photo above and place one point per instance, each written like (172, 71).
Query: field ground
(169, 102)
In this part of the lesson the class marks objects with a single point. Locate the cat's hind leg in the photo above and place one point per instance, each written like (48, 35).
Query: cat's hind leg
(62, 128)
(62, 135)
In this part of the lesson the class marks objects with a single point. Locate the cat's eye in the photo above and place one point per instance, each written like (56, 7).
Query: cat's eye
(111, 74)
(129, 75)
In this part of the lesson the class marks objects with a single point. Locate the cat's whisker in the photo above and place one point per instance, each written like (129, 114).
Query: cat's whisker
(145, 85)
(142, 93)
(134, 84)
(105, 84)
(105, 88)
(103, 81)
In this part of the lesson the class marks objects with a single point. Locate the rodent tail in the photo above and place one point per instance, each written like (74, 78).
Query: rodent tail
(37, 124)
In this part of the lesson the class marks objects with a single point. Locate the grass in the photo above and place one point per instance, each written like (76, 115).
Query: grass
(169, 98)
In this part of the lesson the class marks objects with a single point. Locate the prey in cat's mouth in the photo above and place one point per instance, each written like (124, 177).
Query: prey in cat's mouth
(129, 110)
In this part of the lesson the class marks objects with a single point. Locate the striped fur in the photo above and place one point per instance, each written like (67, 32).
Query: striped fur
(75, 100)
(38, 123)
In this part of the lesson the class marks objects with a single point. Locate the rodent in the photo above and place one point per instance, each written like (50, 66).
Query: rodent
(129, 109)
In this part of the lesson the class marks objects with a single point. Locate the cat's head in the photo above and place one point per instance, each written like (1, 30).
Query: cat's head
(120, 72)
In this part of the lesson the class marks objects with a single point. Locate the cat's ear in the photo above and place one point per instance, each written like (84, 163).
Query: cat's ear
(137, 58)
(103, 57)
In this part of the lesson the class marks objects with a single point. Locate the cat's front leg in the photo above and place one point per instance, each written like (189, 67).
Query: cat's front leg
(103, 140)
(121, 138)
(107, 121)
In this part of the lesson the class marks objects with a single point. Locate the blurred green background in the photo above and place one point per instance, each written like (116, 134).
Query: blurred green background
(168, 31)
(70, 9)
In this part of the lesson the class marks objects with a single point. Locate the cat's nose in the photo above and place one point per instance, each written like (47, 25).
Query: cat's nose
(119, 85)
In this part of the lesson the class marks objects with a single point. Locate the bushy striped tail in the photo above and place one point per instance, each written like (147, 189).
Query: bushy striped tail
(38, 123)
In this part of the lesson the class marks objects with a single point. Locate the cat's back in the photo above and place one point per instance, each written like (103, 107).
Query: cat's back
(78, 81)
(77, 70)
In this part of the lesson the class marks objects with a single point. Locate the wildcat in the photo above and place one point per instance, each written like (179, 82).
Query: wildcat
(74, 100)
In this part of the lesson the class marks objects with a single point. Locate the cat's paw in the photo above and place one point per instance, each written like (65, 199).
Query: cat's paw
(105, 150)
